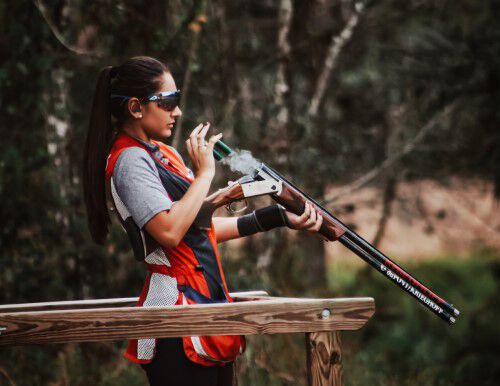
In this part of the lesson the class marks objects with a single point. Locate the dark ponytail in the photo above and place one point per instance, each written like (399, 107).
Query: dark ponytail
(137, 77)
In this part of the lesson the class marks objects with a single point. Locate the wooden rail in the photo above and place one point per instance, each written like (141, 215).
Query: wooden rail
(99, 303)
(251, 313)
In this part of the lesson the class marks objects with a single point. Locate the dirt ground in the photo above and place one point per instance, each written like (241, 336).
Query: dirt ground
(427, 219)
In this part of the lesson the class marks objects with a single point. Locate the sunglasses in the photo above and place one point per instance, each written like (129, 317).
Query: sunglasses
(166, 100)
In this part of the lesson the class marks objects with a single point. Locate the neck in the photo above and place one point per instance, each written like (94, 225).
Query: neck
(136, 132)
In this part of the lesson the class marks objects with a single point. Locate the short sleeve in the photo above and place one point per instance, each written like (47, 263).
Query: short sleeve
(139, 186)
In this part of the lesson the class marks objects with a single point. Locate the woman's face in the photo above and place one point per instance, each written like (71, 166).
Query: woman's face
(158, 122)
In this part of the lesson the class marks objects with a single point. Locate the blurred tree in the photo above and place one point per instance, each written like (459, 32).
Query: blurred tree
(329, 92)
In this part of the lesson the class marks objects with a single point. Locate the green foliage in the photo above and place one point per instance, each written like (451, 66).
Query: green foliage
(405, 344)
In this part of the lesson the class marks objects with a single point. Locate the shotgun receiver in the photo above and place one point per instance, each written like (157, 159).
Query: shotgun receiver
(266, 181)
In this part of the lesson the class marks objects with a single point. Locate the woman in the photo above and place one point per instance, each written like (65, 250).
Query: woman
(158, 198)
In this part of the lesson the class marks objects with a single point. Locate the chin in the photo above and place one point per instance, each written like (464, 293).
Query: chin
(162, 135)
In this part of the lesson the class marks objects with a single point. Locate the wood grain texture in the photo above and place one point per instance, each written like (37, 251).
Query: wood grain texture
(324, 358)
(267, 316)
(295, 202)
(99, 303)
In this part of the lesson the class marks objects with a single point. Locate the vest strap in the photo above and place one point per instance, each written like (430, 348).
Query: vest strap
(180, 273)
(198, 297)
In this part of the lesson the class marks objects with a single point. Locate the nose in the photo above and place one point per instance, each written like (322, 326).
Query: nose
(177, 112)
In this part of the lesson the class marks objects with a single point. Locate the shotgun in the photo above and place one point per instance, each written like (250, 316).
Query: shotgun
(266, 181)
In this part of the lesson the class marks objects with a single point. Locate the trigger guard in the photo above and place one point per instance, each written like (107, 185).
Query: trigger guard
(233, 211)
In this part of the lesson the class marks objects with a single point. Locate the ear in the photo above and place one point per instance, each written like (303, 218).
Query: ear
(134, 108)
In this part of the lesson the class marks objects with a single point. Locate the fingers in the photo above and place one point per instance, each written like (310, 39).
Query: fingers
(192, 145)
(317, 225)
(195, 131)
(196, 144)
(213, 139)
(200, 137)
(193, 138)
(191, 153)
(304, 216)
(310, 220)
(197, 138)
(201, 151)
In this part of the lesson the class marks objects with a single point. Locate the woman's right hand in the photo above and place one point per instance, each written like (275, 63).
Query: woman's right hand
(201, 152)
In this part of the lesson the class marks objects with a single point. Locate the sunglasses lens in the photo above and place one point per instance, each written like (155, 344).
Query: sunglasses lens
(169, 102)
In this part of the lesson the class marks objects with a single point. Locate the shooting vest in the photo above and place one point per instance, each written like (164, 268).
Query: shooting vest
(190, 273)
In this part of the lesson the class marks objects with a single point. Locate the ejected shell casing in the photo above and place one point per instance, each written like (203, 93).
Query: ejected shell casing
(221, 150)
(217, 155)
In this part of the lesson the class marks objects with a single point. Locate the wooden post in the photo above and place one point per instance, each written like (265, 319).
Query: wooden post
(324, 358)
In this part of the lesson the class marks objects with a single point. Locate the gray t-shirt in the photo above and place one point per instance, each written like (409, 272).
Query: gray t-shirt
(138, 184)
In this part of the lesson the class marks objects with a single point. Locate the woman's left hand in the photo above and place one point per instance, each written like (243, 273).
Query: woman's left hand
(310, 220)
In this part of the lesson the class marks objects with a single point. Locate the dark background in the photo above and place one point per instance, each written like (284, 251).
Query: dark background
(326, 91)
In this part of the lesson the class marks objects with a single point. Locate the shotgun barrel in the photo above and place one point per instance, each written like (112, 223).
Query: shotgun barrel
(293, 199)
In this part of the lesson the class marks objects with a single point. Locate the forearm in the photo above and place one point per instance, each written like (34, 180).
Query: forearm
(168, 228)
(260, 220)
(226, 228)
(183, 212)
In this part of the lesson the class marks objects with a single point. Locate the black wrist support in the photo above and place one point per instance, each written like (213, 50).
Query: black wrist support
(261, 220)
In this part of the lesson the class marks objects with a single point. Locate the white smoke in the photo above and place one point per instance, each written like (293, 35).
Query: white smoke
(242, 161)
